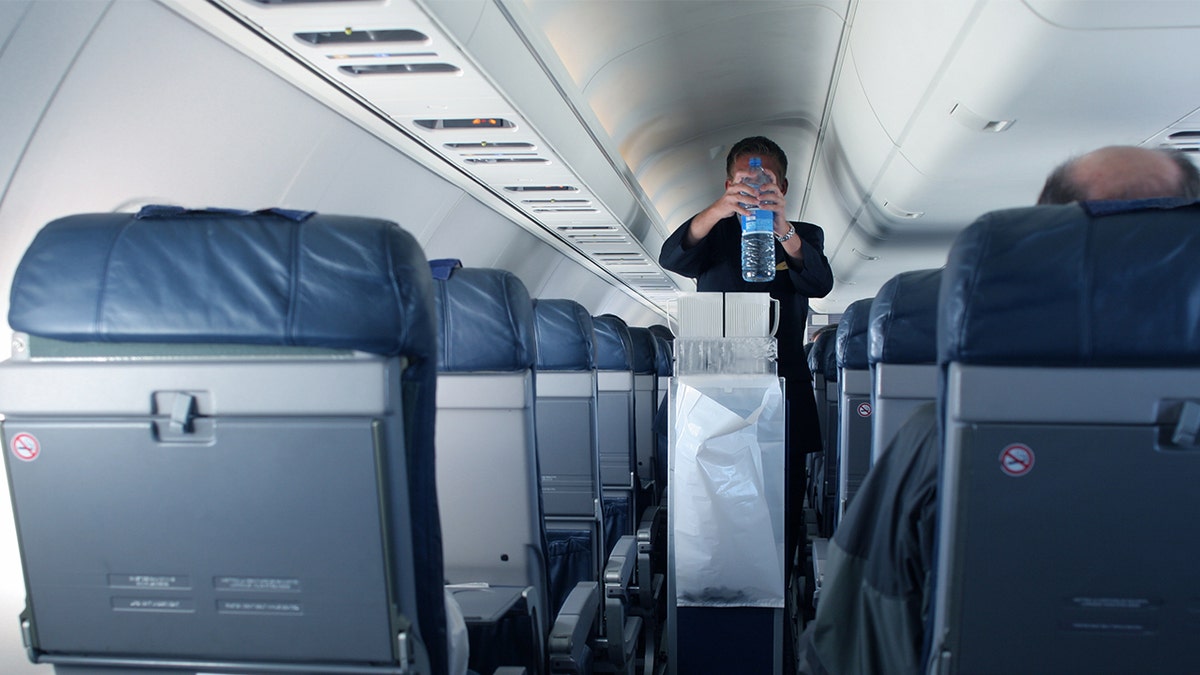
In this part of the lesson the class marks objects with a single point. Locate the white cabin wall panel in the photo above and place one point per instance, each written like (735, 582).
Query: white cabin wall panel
(472, 233)
(123, 126)
(348, 171)
(856, 149)
(855, 276)
(1087, 14)
(864, 263)
(940, 199)
(37, 44)
(11, 13)
(899, 49)
(633, 313)
(861, 145)
(565, 282)
(38, 41)
(1069, 91)
(531, 260)
(833, 210)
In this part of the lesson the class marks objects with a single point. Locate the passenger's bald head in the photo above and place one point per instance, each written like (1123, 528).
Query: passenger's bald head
(1122, 172)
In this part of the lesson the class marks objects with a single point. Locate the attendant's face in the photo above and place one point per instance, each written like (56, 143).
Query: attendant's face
(741, 166)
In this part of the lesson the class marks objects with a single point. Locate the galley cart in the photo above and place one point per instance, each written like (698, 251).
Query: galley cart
(726, 490)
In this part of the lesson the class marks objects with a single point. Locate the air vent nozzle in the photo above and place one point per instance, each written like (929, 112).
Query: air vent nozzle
(541, 188)
(399, 69)
(350, 36)
(506, 160)
(486, 145)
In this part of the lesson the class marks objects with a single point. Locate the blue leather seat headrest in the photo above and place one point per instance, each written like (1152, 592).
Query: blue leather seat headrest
(1074, 285)
(614, 347)
(564, 334)
(852, 335)
(643, 350)
(485, 321)
(823, 357)
(664, 359)
(903, 323)
(442, 268)
(273, 278)
(663, 332)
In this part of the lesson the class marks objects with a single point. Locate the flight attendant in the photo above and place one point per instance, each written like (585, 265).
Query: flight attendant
(708, 248)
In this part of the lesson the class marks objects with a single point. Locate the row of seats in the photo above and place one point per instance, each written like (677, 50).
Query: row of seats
(869, 376)
(1068, 415)
(1068, 348)
(209, 379)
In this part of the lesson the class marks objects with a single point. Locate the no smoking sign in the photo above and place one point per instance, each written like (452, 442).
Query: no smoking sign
(25, 447)
(1016, 460)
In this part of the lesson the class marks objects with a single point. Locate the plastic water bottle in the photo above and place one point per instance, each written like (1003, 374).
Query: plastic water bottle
(758, 232)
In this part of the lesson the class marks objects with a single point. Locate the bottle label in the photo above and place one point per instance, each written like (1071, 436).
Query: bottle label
(761, 220)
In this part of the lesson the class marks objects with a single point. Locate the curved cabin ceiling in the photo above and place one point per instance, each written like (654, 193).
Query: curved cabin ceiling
(675, 83)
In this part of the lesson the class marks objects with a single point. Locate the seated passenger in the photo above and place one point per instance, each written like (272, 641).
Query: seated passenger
(875, 599)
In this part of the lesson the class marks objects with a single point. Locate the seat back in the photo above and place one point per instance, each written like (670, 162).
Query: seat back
(665, 365)
(902, 351)
(567, 444)
(645, 405)
(210, 421)
(614, 363)
(822, 363)
(488, 474)
(854, 403)
(661, 331)
(1043, 565)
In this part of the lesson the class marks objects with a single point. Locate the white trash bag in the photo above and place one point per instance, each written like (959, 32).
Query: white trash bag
(727, 491)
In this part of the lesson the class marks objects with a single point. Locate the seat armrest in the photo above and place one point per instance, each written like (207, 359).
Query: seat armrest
(618, 579)
(568, 637)
(645, 530)
(26, 620)
(485, 604)
(645, 547)
(618, 572)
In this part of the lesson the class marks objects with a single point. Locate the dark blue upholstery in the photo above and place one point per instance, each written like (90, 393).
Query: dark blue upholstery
(643, 350)
(485, 317)
(442, 268)
(823, 357)
(614, 347)
(224, 277)
(566, 342)
(569, 561)
(614, 352)
(564, 334)
(903, 319)
(664, 361)
(273, 278)
(852, 335)
(661, 331)
(1070, 275)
